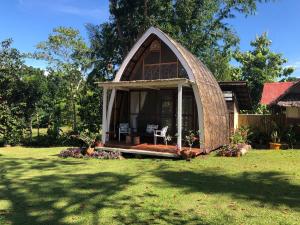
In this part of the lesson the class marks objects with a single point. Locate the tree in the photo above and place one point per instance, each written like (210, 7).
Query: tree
(91, 108)
(68, 57)
(201, 26)
(261, 65)
(33, 89)
(11, 98)
(289, 79)
(11, 65)
(21, 88)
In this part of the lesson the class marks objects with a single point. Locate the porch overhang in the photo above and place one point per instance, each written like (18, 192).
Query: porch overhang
(178, 83)
(148, 84)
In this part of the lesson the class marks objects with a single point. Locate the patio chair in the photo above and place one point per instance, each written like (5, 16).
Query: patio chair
(150, 129)
(123, 129)
(161, 133)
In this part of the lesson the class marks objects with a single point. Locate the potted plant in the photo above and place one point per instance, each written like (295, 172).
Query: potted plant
(191, 138)
(88, 139)
(275, 144)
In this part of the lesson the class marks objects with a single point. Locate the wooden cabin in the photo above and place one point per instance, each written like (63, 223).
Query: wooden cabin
(161, 83)
(237, 97)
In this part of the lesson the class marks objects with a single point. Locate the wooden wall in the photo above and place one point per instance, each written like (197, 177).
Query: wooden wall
(263, 123)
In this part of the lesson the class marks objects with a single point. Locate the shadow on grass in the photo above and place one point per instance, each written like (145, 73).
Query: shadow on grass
(59, 193)
(49, 199)
(65, 197)
(152, 214)
(271, 188)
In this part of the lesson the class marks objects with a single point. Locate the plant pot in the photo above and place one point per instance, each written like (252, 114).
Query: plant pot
(275, 146)
(98, 144)
(128, 139)
(90, 151)
(136, 140)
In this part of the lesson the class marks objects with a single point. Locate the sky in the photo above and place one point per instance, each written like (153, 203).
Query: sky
(29, 22)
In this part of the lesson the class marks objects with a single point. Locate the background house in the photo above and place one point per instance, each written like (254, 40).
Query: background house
(237, 97)
(283, 98)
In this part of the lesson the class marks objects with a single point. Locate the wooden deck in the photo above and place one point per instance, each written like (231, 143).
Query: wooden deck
(147, 149)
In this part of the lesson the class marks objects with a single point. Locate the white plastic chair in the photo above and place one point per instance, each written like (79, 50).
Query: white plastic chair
(150, 129)
(161, 133)
(123, 129)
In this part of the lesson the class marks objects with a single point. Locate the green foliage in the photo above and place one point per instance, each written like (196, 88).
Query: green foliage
(68, 57)
(262, 109)
(261, 65)
(11, 66)
(10, 124)
(191, 137)
(241, 135)
(201, 26)
(275, 136)
(91, 108)
(258, 138)
(290, 136)
(289, 79)
(87, 137)
(20, 90)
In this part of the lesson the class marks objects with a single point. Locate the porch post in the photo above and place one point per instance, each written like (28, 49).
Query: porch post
(179, 116)
(104, 117)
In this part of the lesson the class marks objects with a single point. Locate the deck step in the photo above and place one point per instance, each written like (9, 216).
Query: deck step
(139, 152)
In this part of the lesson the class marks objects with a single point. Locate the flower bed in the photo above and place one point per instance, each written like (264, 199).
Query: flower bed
(78, 153)
(233, 150)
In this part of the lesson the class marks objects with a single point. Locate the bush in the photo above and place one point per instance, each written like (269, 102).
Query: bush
(259, 137)
(290, 136)
(11, 126)
(71, 152)
(78, 153)
(241, 135)
(50, 140)
(233, 150)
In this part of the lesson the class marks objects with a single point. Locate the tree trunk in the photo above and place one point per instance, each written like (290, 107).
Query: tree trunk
(74, 116)
(38, 124)
(30, 128)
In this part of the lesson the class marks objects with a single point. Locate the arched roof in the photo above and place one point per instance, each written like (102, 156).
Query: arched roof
(211, 105)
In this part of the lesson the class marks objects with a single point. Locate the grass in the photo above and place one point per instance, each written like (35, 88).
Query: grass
(43, 131)
(37, 187)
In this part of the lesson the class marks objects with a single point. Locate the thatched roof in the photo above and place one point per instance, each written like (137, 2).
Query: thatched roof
(212, 109)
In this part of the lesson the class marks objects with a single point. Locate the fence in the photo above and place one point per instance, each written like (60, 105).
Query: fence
(263, 123)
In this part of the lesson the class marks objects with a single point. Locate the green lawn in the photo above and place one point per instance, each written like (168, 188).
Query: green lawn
(43, 131)
(37, 187)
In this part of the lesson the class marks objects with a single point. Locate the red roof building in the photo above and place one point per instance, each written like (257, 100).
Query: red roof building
(273, 90)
